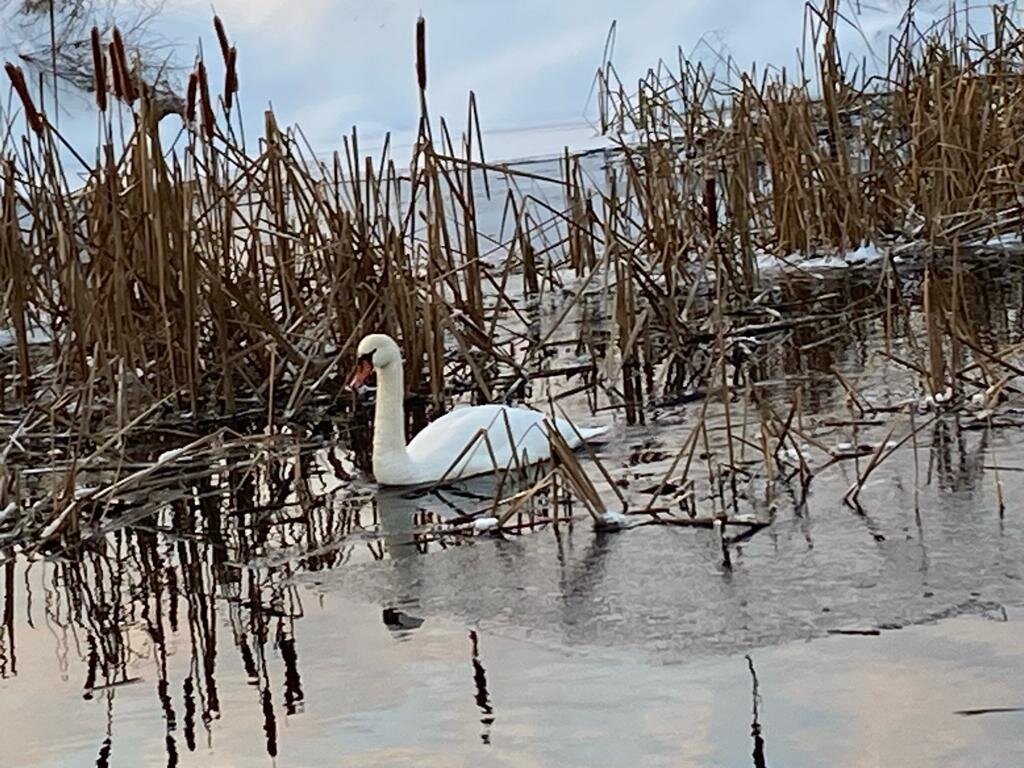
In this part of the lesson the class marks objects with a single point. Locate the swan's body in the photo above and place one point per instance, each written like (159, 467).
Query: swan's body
(452, 446)
(436, 448)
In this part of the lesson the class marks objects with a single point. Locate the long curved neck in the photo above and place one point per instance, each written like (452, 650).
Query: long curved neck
(389, 416)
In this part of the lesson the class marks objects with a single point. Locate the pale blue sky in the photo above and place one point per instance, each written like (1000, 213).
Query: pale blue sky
(331, 64)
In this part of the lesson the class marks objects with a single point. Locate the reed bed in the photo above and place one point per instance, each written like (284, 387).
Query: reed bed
(182, 308)
(181, 298)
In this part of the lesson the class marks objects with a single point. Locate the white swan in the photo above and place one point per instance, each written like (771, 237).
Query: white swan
(432, 454)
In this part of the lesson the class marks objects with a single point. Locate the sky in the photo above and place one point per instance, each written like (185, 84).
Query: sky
(328, 65)
(331, 64)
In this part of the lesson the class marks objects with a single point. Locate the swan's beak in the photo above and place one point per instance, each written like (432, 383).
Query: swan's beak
(362, 372)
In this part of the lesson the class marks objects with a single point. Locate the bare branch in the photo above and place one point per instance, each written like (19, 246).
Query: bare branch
(59, 43)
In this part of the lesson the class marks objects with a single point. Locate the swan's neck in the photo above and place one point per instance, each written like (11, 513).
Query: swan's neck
(389, 452)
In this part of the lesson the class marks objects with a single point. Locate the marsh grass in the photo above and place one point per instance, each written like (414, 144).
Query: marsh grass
(209, 288)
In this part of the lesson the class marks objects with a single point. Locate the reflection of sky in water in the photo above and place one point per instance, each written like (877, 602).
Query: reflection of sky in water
(371, 699)
(596, 650)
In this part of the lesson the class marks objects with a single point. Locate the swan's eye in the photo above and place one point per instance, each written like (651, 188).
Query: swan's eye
(367, 357)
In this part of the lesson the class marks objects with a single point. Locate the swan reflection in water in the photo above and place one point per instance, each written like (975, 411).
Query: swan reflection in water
(400, 516)
(403, 517)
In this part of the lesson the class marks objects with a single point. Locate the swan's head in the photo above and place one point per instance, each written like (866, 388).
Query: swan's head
(376, 352)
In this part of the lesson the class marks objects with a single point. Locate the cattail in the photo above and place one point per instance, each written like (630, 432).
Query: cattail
(118, 42)
(130, 93)
(99, 70)
(115, 72)
(222, 38)
(711, 204)
(190, 98)
(127, 87)
(230, 77)
(421, 52)
(33, 117)
(204, 102)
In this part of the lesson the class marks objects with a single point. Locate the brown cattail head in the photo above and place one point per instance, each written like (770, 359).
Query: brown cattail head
(128, 92)
(421, 53)
(711, 204)
(99, 69)
(222, 38)
(204, 102)
(190, 98)
(230, 78)
(115, 72)
(17, 77)
(118, 42)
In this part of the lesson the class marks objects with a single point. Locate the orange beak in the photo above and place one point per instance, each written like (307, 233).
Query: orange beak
(362, 372)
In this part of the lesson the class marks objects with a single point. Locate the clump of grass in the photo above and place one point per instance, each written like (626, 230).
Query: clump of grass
(924, 150)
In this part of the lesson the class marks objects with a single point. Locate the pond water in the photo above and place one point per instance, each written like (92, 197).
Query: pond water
(352, 683)
(278, 612)
(877, 638)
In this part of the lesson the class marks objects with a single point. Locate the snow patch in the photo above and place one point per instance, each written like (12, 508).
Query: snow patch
(861, 256)
(482, 524)
(170, 455)
(614, 519)
(1004, 240)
